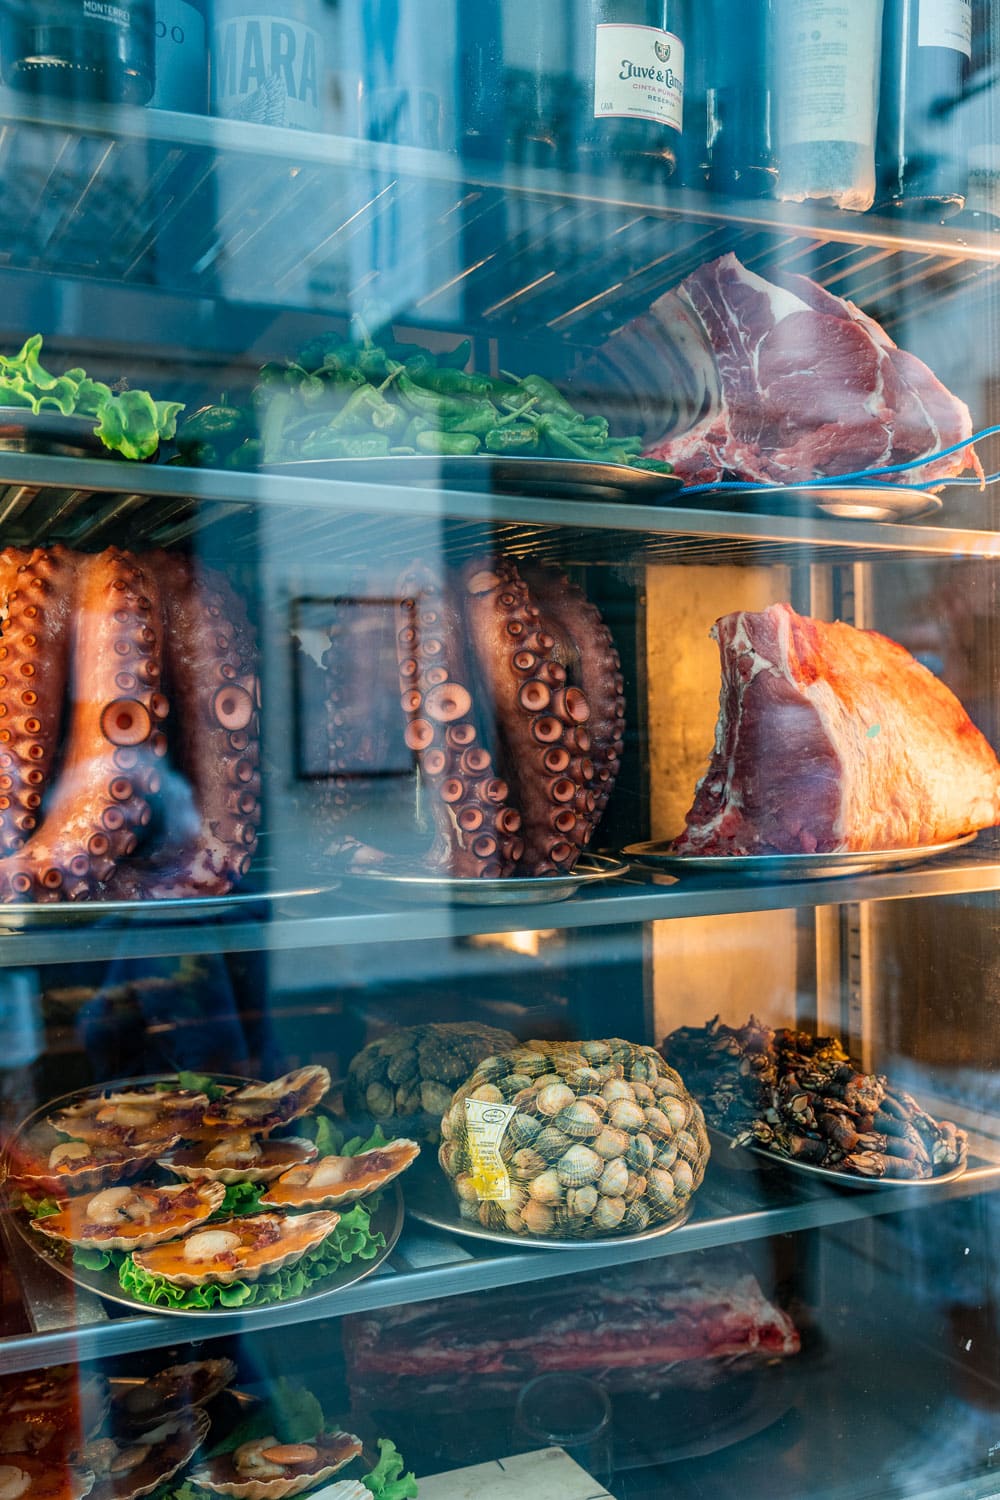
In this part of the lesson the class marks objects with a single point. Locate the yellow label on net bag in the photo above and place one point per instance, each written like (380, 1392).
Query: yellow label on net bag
(486, 1125)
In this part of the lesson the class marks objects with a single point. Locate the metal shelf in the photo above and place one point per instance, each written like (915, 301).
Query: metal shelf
(729, 1209)
(92, 502)
(334, 920)
(262, 214)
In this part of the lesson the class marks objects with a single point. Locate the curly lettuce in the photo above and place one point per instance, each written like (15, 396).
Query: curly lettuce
(128, 422)
(387, 1480)
(353, 1239)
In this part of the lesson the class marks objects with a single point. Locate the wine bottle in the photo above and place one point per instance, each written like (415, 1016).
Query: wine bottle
(922, 153)
(728, 145)
(89, 50)
(825, 56)
(633, 120)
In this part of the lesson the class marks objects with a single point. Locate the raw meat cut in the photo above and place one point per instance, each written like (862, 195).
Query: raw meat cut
(648, 1327)
(735, 376)
(831, 738)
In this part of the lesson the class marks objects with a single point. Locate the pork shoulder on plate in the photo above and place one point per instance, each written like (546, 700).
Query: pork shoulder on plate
(834, 739)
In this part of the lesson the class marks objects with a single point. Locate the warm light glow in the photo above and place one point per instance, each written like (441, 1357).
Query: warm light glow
(528, 943)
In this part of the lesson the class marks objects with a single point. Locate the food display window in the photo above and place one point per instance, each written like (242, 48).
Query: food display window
(499, 729)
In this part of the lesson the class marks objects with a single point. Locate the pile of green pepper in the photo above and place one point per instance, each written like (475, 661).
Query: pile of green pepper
(366, 398)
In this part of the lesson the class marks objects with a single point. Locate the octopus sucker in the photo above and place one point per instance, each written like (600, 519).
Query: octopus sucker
(442, 732)
(508, 693)
(38, 591)
(212, 677)
(88, 793)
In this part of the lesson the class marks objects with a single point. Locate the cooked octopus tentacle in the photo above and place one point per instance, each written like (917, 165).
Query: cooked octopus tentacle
(540, 718)
(477, 828)
(100, 804)
(212, 669)
(37, 590)
(588, 653)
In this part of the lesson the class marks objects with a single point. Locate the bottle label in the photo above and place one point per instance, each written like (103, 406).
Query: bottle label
(181, 66)
(828, 61)
(104, 10)
(486, 1124)
(268, 69)
(639, 75)
(946, 23)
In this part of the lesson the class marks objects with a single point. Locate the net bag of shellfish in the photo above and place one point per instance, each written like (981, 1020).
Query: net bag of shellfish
(574, 1140)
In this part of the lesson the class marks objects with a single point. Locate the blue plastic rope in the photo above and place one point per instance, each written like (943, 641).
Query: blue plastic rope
(826, 481)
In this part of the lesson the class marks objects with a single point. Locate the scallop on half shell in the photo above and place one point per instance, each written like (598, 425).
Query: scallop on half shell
(132, 1117)
(132, 1218)
(23, 1476)
(147, 1402)
(260, 1107)
(48, 1163)
(239, 1157)
(265, 1469)
(141, 1464)
(341, 1179)
(238, 1249)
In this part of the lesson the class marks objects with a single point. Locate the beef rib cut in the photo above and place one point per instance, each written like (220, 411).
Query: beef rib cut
(830, 739)
(780, 383)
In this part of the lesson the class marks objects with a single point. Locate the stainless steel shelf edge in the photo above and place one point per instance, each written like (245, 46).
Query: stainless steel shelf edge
(630, 903)
(458, 1272)
(99, 477)
(382, 159)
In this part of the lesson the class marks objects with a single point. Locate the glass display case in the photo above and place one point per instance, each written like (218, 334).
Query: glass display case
(449, 1045)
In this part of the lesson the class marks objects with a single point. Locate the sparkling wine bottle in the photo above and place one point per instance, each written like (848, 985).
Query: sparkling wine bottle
(632, 120)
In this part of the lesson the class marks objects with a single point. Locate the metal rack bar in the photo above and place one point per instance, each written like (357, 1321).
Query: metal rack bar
(726, 1213)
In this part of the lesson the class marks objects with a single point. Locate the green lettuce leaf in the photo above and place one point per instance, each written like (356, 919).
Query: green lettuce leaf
(387, 1480)
(291, 1412)
(92, 1259)
(200, 1083)
(353, 1239)
(39, 1208)
(241, 1198)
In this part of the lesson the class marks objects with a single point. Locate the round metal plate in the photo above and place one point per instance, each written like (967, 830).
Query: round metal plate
(388, 1221)
(430, 1201)
(845, 502)
(722, 1142)
(48, 431)
(590, 869)
(541, 478)
(17, 916)
(768, 867)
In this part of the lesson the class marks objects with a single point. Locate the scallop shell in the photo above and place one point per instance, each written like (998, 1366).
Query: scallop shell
(101, 1166)
(171, 1445)
(182, 1265)
(144, 1404)
(260, 1107)
(579, 1167)
(331, 1452)
(178, 1211)
(341, 1179)
(131, 1117)
(48, 1480)
(276, 1157)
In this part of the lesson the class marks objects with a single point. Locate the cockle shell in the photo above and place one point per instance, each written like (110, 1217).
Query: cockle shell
(660, 1187)
(596, 1052)
(579, 1120)
(554, 1098)
(609, 1213)
(273, 1470)
(548, 1187)
(636, 1216)
(523, 1129)
(616, 1088)
(658, 1122)
(579, 1166)
(526, 1164)
(640, 1152)
(625, 1114)
(683, 1178)
(614, 1179)
(611, 1143)
(551, 1143)
(634, 1188)
(581, 1202)
(538, 1217)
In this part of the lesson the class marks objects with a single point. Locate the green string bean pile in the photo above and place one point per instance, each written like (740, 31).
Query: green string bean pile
(364, 398)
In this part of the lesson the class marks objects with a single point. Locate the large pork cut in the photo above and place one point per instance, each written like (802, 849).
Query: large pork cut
(733, 376)
(831, 738)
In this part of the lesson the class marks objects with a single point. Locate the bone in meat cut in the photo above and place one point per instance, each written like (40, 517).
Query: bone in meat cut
(780, 383)
(830, 739)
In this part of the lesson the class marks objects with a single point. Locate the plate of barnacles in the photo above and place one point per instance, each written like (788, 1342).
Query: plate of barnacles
(803, 1101)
